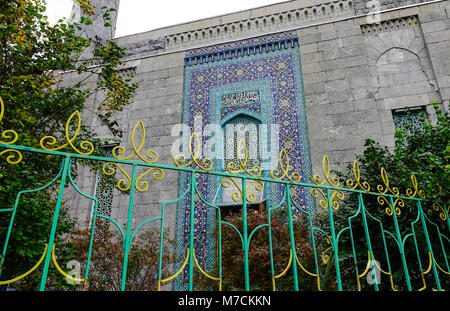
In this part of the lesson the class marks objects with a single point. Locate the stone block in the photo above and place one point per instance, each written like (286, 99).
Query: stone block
(437, 36)
(316, 99)
(370, 130)
(357, 82)
(157, 74)
(362, 93)
(328, 35)
(314, 77)
(434, 26)
(345, 62)
(312, 57)
(350, 31)
(175, 80)
(445, 93)
(365, 104)
(408, 36)
(388, 128)
(309, 38)
(311, 68)
(340, 158)
(352, 40)
(176, 71)
(343, 118)
(334, 108)
(405, 101)
(430, 16)
(385, 116)
(335, 74)
(328, 45)
(308, 48)
(146, 65)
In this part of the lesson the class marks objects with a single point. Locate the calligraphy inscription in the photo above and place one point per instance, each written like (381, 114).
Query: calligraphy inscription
(240, 98)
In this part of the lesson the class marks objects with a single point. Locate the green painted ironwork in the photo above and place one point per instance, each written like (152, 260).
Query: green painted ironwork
(331, 194)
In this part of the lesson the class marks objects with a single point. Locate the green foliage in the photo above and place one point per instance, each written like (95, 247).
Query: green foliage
(35, 59)
(260, 272)
(423, 153)
(105, 273)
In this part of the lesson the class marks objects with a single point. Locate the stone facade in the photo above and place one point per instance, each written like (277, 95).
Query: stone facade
(357, 67)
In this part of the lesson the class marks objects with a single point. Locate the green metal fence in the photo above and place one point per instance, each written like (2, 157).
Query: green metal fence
(393, 258)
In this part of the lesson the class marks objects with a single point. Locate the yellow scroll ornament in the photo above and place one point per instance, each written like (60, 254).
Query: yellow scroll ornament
(336, 195)
(84, 281)
(438, 208)
(206, 164)
(384, 190)
(176, 274)
(301, 267)
(423, 273)
(48, 142)
(29, 271)
(9, 137)
(357, 174)
(412, 193)
(150, 157)
(206, 274)
(369, 261)
(282, 273)
(233, 168)
(275, 173)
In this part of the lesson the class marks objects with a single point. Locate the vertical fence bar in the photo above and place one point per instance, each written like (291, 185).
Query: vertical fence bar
(313, 242)
(13, 215)
(272, 266)
(430, 249)
(51, 239)
(220, 246)
(127, 242)
(352, 241)
(292, 238)
(400, 244)
(245, 234)
(64, 176)
(333, 242)
(91, 224)
(369, 244)
(191, 232)
(443, 248)
(446, 217)
(161, 240)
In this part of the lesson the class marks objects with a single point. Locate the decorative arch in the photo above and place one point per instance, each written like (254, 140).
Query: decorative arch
(241, 112)
(246, 127)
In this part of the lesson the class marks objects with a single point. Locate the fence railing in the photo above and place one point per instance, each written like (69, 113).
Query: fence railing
(403, 248)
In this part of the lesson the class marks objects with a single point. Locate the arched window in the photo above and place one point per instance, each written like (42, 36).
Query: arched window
(242, 128)
(247, 129)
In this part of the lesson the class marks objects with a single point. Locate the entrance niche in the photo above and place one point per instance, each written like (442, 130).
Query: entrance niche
(241, 128)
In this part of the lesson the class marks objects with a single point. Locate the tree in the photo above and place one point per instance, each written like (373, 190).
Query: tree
(106, 264)
(260, 274)
(423, 153)
(33, 55)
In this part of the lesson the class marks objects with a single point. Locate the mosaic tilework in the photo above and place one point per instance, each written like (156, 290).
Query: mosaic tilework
(276, 75)
(104, 191)
(242, 100)
(409, 121)
(258, 43)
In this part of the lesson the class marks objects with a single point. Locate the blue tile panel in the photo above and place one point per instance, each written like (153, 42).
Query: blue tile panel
(270, 67)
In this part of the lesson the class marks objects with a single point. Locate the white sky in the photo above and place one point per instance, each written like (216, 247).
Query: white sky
(142, 15)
